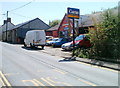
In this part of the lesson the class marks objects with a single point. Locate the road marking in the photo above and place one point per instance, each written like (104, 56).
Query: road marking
(39, 82)
(107, 69)
(47, 82)
(2, 82)
(66, 84)
(83, 63)
(8, 74)
(60, 71)
(98, 67)
(89, 83)
(5, 80)
(31, 81)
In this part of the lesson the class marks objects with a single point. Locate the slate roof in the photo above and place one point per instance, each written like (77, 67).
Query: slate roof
(22, 24)
(54, 28)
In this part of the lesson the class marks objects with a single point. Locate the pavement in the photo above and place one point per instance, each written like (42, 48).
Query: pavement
(68, 54)
(99, 63)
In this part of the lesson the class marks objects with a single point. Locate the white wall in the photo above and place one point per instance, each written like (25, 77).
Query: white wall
(0, 33)
(3, 28)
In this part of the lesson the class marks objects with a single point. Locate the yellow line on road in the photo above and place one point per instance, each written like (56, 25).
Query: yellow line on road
(83, 63)
(31, 81)
(47, 82)
(66, 84)
(57, 70)
(9, 74)
(39, 82)
(2, 82)
(5, 80)
(106, 69)
(86, 82)
(98, 67)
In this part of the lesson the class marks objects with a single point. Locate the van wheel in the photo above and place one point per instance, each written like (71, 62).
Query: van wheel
(31, 45)
(42, 47)
(25, 45)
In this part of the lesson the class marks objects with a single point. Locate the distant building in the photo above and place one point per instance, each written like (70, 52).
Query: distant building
(88, 21)
(3, 29)
(53, 31)
(63, 29)
(18, 32)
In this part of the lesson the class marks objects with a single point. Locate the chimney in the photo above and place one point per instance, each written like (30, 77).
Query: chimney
(5, 21)
(9, 20)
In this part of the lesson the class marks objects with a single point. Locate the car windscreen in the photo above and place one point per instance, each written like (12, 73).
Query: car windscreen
(49, 39)
(59, 39)
(80, 37)
(54, 39)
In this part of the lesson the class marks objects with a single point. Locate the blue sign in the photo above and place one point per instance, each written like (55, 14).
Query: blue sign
(73, 13)
(66, 28)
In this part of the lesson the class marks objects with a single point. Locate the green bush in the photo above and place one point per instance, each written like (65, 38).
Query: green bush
(105, 38)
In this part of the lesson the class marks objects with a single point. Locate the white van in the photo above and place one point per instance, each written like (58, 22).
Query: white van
(35, 38)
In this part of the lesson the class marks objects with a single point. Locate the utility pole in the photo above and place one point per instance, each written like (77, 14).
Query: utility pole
(6, 26)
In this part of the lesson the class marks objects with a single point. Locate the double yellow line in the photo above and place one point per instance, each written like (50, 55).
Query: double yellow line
(4, 81)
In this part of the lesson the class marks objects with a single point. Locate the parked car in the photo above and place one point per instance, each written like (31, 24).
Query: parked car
(52, 41)
(35, 38)
(49, 38)
(80, 41)
(60, 41)
(67, 46)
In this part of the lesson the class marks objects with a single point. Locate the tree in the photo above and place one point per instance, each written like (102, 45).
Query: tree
(105, 38)
(54, 22)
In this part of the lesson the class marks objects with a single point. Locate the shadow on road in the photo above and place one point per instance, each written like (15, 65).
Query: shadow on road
(68, 59)
(34, 48)
(66, 50)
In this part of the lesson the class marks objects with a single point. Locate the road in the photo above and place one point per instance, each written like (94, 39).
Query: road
(25, 67)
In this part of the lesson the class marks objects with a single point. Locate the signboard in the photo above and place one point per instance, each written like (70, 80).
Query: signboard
(73, 13)
(66, 28)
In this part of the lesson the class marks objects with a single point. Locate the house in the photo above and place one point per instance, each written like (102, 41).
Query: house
(88, 21)
(63, 29)
(53, 31)
(18, 32)
(5, 27)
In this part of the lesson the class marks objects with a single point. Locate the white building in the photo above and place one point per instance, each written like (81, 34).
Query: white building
(3, 28)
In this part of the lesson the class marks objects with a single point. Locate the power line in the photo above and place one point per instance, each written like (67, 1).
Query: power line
(2, 17)
(22, 6)
(20, 15)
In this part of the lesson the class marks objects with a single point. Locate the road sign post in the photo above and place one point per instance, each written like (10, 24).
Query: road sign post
(73, 54)
(73, 13)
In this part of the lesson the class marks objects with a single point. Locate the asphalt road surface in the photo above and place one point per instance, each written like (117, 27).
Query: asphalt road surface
(32, 67)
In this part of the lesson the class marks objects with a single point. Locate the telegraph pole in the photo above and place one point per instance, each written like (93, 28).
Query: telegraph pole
(6, 26)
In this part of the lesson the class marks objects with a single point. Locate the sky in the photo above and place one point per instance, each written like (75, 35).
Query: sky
(48, 10)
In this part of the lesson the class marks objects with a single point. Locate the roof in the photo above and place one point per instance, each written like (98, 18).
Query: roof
(53, 28)
(22, 24)
(9, 26)
(90, 19)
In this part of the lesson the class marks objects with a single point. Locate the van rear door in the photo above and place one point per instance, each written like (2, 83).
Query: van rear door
(40, 37)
